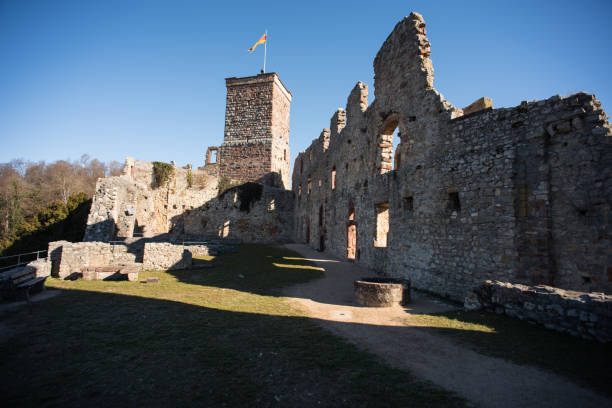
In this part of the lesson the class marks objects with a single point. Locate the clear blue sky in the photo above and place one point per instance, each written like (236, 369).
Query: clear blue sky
(146, 78)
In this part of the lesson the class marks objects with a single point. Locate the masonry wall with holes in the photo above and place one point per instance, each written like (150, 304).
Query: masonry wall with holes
(516, 194)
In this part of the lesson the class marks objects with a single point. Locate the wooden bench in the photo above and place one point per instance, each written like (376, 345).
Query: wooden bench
(22, 280)
(111, 272)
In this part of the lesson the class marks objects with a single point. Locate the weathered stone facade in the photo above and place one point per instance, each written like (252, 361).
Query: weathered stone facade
(256, 142)
(518, 194)
(588, 315)
(513, 194)
(251, 212)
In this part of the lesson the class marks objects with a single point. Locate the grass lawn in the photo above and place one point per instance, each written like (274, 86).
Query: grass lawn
(585, 362)
(210, 337)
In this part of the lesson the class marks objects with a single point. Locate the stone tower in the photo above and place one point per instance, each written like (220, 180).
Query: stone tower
(256, 141)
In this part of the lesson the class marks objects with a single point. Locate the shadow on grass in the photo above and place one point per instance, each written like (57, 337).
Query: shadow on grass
(260, 269)
(586, 362)
(264, 270)
(98, 348)
(212, 337)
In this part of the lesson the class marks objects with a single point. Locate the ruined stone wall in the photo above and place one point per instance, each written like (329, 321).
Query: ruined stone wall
(252, 212)
(131, 204)
(256, 140)
(587, 315)
(65, 258)
(496, 194)
(165, 255)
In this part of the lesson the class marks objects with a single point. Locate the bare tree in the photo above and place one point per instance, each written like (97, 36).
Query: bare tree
(26, 188)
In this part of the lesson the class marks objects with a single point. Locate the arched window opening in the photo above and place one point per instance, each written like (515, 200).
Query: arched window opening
(388, 146)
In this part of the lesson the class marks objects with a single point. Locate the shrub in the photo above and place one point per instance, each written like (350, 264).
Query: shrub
(162, 172)
(189, 178)
(224, 185)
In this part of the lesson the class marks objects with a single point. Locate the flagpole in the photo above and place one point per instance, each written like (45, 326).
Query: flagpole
(265, 51)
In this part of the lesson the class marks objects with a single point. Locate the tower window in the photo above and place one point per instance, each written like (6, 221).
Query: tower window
(453, 201)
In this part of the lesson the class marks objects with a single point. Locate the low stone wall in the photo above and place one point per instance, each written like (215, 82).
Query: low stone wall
(65, 258)
(41, 267)
(587, 315)
(164, 255)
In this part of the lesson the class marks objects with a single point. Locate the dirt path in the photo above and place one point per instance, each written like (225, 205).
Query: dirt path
(485, 381)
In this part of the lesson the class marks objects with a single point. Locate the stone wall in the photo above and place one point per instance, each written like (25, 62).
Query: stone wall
(251, 212)
(40, 266)
(130, 205)
(125, 208)
(514, 194)
(164, 255)
(256, 140)
(65, 258)
(588, 315)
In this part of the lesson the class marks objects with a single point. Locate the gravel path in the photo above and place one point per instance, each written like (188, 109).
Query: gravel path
(484, 381)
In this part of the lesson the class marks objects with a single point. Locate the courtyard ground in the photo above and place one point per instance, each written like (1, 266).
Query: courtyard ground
(226, 336)
(217, 336)
(491, 360)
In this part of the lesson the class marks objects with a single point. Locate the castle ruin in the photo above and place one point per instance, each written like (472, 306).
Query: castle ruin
(513, 194)
(213, 200)
(408, 185)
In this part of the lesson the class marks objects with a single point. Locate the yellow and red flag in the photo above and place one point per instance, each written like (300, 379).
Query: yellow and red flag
(262, 40)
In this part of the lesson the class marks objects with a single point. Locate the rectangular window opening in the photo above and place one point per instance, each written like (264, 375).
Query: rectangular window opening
(382, 225)
(453, 201)
(408, 203)
(333, 178)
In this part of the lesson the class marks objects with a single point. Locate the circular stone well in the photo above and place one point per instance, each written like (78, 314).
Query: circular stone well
(382, 292)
